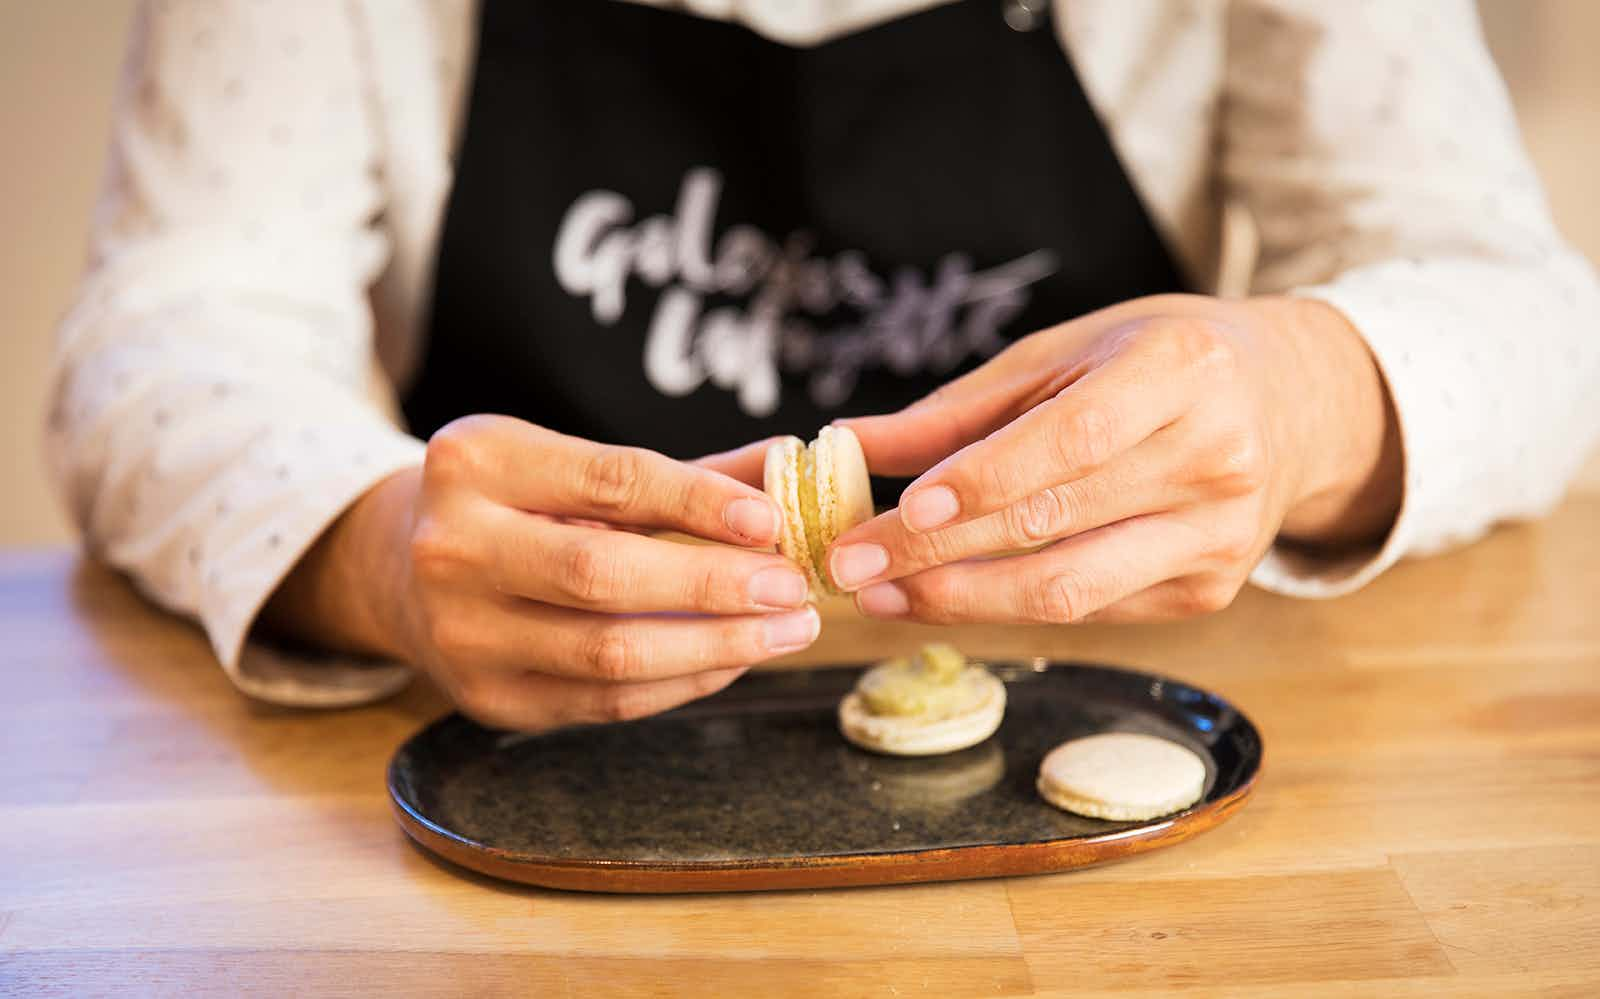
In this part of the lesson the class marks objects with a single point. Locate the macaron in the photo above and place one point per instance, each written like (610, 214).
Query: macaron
(1121, 776)
(922, 707)
(823, 490)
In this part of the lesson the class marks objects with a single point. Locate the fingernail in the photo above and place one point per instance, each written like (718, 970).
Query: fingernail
(853, 565)
(883, 600)
(778, 587)
(751, 518)
(928, 508)
(794, 630)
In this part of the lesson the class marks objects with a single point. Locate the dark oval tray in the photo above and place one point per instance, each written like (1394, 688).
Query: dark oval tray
(754, 788)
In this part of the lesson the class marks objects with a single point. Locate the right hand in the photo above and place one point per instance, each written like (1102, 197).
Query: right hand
(517, 578)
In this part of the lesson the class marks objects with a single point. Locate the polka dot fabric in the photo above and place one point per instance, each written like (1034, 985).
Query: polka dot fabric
(225, 380)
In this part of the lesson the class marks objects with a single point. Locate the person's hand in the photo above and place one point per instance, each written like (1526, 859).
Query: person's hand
(1154, 449)
(500, 567)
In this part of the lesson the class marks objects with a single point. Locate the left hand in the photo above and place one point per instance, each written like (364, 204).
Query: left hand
(1155, 450)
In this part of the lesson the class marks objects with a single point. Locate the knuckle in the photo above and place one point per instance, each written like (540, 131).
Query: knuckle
(1040, 517)
(1217, 596)
(500, 708)
(995, 480)
(451, 639)
(700, 500)
(1088, 438)
(923, 550)
(611, 479)
(941, 396)
(453, 451)
(587, 572)
(1196, 597)
(612, 653)
(935, 597)
(1212, 351)
(620, 704)
(1060, 599)
(1234, 546)
(435, 551)
(1199, 343)
(476, 698)
(707, 589)
(1240, 465)
(712, 681)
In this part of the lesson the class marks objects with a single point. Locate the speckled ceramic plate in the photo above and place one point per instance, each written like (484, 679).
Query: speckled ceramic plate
(755, 789)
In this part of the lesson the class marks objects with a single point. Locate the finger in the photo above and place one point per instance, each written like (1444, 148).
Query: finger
(532, 468)
(980, 402)
(916, 438)
(1061, 583)
(1038, 356)
(1145, 480)
(744, 464)
(1190, 596)
(535, 702)
(513, 635)
(615, 571)
(1146, 384)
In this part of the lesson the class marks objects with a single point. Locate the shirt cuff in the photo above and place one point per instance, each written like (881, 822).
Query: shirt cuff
(273, 530)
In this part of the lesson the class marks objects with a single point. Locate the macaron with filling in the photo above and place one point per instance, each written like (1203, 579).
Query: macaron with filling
(935, 702)
(823, 490)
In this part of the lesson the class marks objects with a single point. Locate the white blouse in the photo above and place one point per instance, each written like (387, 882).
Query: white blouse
(225, 380)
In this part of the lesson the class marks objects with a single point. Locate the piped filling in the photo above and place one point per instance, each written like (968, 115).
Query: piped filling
(811, 512)
(933, 684)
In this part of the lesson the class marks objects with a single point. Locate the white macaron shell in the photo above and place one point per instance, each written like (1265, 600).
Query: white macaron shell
(1122, 775)
(781, 479)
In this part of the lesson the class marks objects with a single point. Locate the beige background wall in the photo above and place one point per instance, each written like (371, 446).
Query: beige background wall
(59, 61)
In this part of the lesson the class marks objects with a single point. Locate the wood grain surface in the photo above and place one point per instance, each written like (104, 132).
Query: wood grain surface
(1428, 822)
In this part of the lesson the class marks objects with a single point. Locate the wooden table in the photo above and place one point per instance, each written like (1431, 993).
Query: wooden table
(1428, 823)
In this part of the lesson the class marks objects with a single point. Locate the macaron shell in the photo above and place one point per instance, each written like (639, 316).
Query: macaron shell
(780, 479)
(912, 736)
(849, 485)
(1092, 809)
(1123, 776)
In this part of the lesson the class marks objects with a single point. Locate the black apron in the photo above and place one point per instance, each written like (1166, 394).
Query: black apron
(673, 232)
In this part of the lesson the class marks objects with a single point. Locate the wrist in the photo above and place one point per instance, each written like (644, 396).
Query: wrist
(1346, 443)
(345, 593)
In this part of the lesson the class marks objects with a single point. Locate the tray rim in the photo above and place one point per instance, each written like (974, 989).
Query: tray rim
(952, 863)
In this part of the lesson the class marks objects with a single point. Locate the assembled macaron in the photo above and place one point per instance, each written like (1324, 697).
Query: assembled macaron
(822, 490)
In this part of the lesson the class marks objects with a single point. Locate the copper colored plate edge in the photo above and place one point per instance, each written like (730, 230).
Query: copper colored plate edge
(957, 863)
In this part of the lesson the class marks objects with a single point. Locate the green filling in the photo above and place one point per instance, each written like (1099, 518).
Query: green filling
(941, 662)
(929, 684)
(811, 515)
